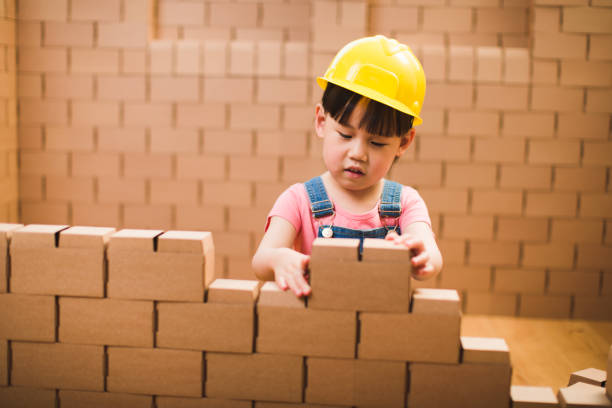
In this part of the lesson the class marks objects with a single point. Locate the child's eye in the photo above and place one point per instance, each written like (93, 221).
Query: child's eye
(378, 144)
(342, 135)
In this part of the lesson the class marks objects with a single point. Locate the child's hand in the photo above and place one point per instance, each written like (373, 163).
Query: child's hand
(289, 270)
(422, 268)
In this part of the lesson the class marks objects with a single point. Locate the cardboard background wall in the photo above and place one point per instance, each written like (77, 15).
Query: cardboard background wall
(198, 117)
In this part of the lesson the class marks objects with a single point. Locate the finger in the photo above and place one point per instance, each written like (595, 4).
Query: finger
(281, 282)
(420, 259)
(304, 287)
(424, 271)
(293, 285)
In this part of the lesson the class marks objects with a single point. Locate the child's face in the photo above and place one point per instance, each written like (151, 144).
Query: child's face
(357, 160)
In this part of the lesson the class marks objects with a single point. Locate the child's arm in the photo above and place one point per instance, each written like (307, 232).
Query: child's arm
(275, 260)
(426, 259)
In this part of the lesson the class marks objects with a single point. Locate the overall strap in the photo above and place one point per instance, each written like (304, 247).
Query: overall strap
(390, 201)
(320, 204)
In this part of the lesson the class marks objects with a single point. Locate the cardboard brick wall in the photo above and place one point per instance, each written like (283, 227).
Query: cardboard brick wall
(197, 116)
(241, 343)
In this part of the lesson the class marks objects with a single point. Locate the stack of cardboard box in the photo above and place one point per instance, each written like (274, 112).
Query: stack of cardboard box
(130, 318)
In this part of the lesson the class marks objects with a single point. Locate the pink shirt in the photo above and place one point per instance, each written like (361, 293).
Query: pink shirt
(294, 206)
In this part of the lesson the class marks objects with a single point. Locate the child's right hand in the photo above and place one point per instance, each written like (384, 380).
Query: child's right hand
(289, 269)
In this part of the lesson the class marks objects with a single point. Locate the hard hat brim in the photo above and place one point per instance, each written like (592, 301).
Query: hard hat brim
(371, 94)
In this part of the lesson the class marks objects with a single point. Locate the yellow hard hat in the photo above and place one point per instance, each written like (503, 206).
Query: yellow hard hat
(381, 69)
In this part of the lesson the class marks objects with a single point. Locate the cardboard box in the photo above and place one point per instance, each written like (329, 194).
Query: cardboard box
(359, 286)
(176, 402)
(155, 371)
(334, 249)
(583, 395)
(26, 317)
(380, 250)
(151, 265)
(285, 326)
(206, 326)
(233, 291)
(265, 377)
(528, 397)
(110, 322)
(6, 231)
(469, 385)
(288, 405)
(349, 382)
(484, 350)
(4, 362)
(591, 376)
(410, 337)
(18, 397)
(80, 399)
(53, 260)
(54, 365)
(436, 301)
(609, 375)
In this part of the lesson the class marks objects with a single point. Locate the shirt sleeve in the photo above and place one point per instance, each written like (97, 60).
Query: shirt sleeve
(287, 206)
(414, 208)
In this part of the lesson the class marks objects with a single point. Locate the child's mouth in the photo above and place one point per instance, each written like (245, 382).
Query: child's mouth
(354, 172)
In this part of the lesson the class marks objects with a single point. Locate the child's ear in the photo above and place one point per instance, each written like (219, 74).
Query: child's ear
(406, 140)
(319, 120)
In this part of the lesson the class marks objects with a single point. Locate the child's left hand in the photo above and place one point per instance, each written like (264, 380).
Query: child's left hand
(422, 267)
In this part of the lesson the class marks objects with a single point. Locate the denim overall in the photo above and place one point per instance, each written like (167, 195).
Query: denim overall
(321, 206)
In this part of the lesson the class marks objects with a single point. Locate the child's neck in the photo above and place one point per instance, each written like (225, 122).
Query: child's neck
(354, 201)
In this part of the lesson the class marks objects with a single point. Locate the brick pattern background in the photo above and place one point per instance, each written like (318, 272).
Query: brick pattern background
(8, 113)
(202, 126)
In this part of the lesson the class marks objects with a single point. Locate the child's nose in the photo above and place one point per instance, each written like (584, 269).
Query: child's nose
(358, 150)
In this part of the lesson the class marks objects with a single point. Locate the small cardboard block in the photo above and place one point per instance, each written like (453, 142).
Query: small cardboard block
(155, 371)
(583, 395)
(271, 295)
(435, 301)
(80, 399)
(592, 376)
(6, 231)
(609, 375)
(380, 250)
(18, 397)
(359, 286)
(335, 249)
(485, 350)
(137, 271)
(264, 377)
(532, 397)
(206, 326)
(470, 385)
(409, 337)
(24, 317)
(286, 327)
(356, 382)
(75, 267)
(55, 365)
(176, 402)
(233, 291)
(37, 236)
(109, 322)
(3, 362)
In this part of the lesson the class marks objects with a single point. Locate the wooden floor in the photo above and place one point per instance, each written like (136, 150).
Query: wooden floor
(544, 352)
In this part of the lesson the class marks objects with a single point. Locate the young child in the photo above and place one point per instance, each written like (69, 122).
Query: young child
(374, 91)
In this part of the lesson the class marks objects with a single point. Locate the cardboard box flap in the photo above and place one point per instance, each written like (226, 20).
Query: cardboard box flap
(380, 250)
(271, 295)
(134, 239)
(233, 291)
(36, 236)
(345, 249)
(196, 242)
(85, 237)
(438, 301)
(533, 396)
(581, 394)
(485, 350)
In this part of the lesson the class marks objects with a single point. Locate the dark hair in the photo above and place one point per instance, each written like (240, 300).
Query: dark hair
(378, 119)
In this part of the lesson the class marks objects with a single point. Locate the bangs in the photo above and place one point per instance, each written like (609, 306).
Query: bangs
(378, 119)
